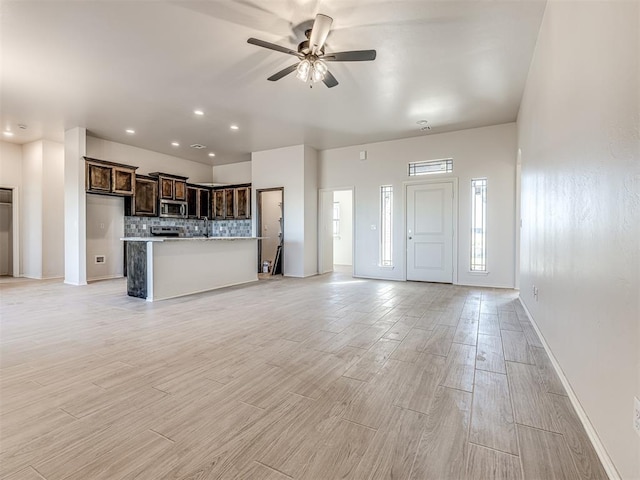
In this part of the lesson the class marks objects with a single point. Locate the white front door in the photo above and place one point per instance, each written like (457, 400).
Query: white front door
(430, 232)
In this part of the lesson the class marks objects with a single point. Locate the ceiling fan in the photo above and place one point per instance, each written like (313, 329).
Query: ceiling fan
(312, 57)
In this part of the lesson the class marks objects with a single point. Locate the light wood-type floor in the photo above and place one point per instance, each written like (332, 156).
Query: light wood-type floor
(321, 378)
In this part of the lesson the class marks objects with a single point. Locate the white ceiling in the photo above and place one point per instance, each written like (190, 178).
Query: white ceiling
(146, 65)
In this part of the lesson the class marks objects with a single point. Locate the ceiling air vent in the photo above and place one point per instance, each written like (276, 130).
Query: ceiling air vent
(198, 146)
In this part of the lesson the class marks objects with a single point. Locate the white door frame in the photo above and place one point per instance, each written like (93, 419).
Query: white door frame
(15, 228)
(454, 183)
(320, 229)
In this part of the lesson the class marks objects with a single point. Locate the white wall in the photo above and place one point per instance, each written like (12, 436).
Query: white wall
(310, 211)
(578, 131)
(52, 209)
(105, 228)
(148, 161)
(10, 164)
(232, 173)
(481, 152)
(42, 209)
(32, 209)
(343, 243)
(287, 167)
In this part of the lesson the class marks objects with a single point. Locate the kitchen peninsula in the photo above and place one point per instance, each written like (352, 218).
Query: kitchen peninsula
(166, 267)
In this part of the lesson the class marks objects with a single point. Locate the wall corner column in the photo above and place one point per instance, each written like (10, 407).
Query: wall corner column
(75, 207)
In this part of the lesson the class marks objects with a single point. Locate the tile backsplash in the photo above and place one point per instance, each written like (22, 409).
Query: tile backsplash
(133, 226)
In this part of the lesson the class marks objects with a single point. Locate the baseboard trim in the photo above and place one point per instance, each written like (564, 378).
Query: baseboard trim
(106, 277)
(600, 449)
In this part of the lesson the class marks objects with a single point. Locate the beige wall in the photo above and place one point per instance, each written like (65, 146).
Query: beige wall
(578, 134)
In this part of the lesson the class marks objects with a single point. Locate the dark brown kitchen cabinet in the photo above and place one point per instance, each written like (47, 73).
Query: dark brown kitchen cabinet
(229, 202)
(109, 178)
(198, 202)
(218, 206)
(243, 203)
(204, 195)
(146, 197)
(172, 187)
(192, 202)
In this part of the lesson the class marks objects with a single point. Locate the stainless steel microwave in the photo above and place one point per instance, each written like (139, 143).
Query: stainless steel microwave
(171, 208)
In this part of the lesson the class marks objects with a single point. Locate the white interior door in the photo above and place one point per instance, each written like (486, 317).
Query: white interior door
(430, 232)
(325, 250)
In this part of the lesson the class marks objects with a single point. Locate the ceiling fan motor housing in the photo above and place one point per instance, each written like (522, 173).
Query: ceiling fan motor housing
(304, 49)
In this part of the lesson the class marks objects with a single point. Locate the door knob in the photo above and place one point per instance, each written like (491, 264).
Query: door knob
(410, 238)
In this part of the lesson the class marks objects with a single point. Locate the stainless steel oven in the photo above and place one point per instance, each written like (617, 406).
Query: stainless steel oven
(172, 208)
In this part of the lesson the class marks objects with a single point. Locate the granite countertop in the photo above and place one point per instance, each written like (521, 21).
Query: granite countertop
(183, 239)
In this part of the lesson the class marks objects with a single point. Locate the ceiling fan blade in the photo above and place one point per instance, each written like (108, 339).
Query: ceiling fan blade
(329, 80)
(283, 73)
(352, 56)
(319, 32)
(272, 46)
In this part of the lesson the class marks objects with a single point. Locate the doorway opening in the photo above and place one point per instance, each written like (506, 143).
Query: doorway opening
(8, 233)
(335, 249)
(270, 226)
(431, 233)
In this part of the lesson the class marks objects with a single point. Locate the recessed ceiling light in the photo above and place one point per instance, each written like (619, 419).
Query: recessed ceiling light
(211, 154)
(422, 122)
(130, 131)
(175, 144)
(234, 127)
(8, 134)
(198, 112)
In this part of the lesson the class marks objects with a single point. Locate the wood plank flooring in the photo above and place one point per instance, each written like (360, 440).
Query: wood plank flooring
(318, 378)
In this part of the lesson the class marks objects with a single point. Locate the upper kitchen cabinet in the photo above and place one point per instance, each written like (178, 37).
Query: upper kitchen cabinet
(231, 202)
(146, 197)
(172, 187)
(109, 178)
(243, 202)
(218, 206)
(198, 201)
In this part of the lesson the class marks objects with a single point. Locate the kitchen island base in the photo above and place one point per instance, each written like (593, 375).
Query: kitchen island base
(162, 268)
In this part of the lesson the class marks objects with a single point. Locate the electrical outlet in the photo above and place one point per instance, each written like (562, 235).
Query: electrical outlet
(144, 226)
(636, 415)
(196, 228)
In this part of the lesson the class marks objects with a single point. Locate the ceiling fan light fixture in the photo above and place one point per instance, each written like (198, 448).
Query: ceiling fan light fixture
(319, 71)
(303, 70)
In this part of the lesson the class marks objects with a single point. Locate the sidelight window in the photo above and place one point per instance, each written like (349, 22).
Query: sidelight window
(479, 225)
(336, 219)
(386, 232)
